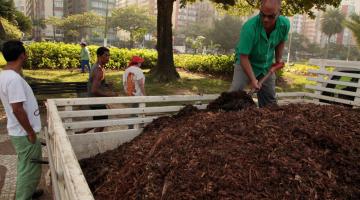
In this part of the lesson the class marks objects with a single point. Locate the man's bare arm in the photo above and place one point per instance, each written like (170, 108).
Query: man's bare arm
(246, 65)
(279, 49)
(22, 118)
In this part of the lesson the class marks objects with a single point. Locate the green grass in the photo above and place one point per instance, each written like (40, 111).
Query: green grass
(295, 80)
(294, 83)
(188, 84)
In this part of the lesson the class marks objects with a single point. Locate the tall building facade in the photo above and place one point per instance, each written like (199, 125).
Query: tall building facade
(20, 5)
(99, 7)
(38, 11)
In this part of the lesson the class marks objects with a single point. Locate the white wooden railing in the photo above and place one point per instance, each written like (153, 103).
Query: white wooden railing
(66, 116)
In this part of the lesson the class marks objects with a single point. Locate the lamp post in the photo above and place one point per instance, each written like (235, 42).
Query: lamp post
(106, 21)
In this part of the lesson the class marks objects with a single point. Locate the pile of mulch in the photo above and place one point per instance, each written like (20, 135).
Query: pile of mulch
(232, 101)
(289, 152)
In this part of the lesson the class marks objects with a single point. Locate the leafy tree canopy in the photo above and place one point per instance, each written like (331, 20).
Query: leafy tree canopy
(133, 19)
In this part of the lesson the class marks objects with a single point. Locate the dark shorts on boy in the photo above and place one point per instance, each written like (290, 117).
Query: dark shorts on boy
(99, 107)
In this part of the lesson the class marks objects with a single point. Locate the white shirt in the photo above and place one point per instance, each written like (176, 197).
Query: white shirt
(14, 89)
(138, 76)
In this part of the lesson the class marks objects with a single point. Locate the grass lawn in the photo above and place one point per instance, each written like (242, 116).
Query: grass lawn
(190, 83)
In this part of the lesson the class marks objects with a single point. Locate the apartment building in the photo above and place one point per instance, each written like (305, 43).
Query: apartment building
(20, 5)
(100, 7)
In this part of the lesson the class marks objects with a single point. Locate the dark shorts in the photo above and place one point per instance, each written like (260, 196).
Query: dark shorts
(99, 107)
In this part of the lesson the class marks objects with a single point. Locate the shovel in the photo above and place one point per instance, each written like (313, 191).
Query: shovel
(272, 70)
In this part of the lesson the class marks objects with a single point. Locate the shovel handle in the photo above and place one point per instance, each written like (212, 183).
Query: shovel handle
(272, 70)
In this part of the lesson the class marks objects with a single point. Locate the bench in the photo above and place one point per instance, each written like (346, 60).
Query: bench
(59, 88)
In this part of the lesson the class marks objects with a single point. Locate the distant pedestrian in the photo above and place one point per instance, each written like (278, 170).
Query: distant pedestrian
(23, 120)
(84, 57)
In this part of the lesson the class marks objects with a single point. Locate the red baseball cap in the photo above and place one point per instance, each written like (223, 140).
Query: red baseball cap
(137, 59)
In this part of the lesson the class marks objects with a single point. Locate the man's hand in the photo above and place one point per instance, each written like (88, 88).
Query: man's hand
(255, 85)
(32, 138)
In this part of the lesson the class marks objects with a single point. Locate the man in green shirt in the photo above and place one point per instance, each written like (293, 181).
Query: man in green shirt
(260, 38)
(84, 57)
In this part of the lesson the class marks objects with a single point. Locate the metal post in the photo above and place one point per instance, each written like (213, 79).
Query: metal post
(106, 21)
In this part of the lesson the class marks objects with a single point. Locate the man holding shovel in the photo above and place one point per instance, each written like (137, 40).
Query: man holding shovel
(260, 37)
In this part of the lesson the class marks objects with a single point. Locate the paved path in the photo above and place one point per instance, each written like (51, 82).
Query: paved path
(8, 160)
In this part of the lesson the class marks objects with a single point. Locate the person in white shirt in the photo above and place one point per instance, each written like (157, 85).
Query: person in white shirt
(23, 119)
(133, 78)
(134, 81)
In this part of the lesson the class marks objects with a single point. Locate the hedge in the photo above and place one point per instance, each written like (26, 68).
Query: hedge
(49, 55)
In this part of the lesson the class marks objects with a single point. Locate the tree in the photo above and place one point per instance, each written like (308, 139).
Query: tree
(226, 32)
(7, 10)
(75, 26)
(190, 31)
(165, 70)
(8, 30)
(134, 20)
(196, 44)
(331, 24)
(354, 25)
(24, 23)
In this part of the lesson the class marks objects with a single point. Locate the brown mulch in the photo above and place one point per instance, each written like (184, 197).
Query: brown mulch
(288, 152)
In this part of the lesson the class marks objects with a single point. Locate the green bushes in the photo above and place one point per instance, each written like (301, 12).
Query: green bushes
(48, 55)
(210, 64)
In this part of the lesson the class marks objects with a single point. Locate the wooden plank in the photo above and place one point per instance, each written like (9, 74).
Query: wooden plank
(342, 74)
(336, 91)
(77, 182)
(88, 145)
(134, 99)
(290, 94)
(352, 65)
(356, 85)
(124, 111)
(106, 123)
(333, 99)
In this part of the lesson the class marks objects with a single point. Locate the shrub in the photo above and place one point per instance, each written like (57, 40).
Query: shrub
(49, 55)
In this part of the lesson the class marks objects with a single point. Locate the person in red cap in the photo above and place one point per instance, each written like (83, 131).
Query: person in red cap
(133, 78)
(134, 81)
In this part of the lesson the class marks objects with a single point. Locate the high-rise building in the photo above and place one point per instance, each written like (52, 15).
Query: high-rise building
(38, 11)
(20, 5)
(150, 5)
(100, 7)
(311, 28)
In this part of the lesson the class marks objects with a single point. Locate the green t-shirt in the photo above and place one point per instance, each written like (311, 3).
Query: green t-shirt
(84, 54)
(255, 43)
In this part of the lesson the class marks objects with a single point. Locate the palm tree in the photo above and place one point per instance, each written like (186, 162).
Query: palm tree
(331, 24)
(354, 25)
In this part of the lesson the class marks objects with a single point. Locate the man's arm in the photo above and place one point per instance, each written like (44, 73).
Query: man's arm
(279, 49)
(95, 89)
(22, 118)
(246, 65)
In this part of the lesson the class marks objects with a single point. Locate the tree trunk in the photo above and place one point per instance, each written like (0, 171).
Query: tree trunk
(327, 48)
(164, 71)
(131, 40)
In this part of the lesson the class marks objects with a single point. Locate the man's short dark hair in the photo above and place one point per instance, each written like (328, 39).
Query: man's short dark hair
(101, 50)
(12, 49)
